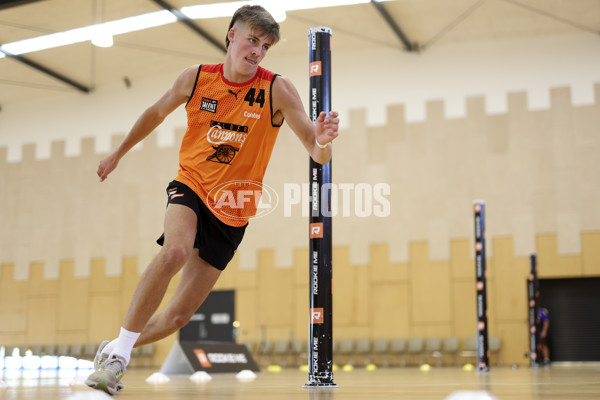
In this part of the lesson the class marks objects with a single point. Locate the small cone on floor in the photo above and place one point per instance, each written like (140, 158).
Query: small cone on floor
(200, 376)
(274, 368)
(158, 377)
(245, 375)
(468, 367)
(425, 367)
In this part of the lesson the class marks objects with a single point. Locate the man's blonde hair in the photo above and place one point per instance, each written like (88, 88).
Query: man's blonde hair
(257, 19)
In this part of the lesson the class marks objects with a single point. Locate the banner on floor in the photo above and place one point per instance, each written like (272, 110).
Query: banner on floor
(187, 357)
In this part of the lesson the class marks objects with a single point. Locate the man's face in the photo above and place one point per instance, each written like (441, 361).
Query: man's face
(248, 47)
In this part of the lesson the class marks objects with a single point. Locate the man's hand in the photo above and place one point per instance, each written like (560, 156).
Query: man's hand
(327, 127)
(106, 166)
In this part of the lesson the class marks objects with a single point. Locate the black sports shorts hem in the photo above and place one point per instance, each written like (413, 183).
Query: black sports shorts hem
(216, 241)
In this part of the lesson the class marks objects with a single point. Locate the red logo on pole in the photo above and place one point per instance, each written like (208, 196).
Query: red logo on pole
(315, 68)
(316, 230)
(316, 315)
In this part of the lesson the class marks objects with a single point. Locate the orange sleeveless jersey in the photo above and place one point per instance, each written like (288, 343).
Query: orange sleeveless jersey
(228, 142)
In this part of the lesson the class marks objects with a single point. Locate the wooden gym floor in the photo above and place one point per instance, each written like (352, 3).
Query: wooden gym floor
(574, 382)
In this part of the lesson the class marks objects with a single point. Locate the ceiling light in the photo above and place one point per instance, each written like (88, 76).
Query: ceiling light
(278, 14)
(276, 8)
(308, 4)
(103, 40)
(139, 22)
(49, 41)
(91, 32)
(219, 10)
(158, 18)
(207, 11)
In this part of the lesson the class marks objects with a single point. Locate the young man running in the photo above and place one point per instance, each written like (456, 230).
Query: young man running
(234, 112)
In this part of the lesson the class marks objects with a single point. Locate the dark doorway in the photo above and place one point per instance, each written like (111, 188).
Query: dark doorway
(213, 321)
(574, 307)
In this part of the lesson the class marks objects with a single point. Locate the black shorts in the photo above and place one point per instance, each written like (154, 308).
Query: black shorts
(216, 241)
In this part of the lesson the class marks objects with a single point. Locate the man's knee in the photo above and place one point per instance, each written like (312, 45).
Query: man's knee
(175, 256)
(178, 320)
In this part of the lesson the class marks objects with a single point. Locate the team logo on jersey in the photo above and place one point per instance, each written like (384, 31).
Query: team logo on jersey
(223, 154)
(226, 133)
(227, 139)
(209, 105)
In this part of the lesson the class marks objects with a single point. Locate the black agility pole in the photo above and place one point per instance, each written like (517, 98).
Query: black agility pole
(483, 359)
(320, 338)
(533, 307)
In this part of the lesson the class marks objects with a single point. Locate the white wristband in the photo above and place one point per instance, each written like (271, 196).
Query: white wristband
(321, 146)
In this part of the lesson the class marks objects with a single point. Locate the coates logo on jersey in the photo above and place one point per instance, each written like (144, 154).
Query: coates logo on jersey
(240, 200)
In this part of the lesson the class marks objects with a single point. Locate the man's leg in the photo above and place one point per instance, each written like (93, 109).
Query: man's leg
(197, 280)
(546, 353)
(180, 232)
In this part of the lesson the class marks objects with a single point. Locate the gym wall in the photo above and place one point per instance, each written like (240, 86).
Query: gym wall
(72, 249)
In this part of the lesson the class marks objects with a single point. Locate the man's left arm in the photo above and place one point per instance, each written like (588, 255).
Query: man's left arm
(287, 102)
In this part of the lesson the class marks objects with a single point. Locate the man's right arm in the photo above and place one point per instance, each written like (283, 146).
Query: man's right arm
(151, 118)
(545, 327)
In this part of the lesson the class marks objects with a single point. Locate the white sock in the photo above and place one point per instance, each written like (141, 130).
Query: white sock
(109, 347)
(124, 344)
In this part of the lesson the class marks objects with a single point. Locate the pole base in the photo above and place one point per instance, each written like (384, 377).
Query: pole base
(320, 385)
(320, 380)
(483, 369)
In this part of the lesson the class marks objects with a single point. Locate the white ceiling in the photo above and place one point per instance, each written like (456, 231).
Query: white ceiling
(175, 46)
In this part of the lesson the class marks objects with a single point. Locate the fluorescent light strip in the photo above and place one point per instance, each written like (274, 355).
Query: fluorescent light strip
(215, 10)
(78, 35)
(218, 10)
(140, 22)
(163, 17)
(48, 41)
